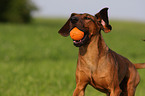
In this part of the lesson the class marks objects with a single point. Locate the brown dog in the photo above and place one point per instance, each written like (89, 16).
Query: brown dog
(98, 65)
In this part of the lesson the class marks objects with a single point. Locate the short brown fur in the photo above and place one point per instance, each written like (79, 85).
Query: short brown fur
(98, 65)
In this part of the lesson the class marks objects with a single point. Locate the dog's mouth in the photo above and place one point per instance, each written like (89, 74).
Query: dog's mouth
(83, 41)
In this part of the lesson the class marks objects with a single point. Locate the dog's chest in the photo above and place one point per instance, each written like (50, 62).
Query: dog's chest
(100, 79)
(98, 74)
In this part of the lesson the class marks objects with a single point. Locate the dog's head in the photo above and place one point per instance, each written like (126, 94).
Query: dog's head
(90, 25)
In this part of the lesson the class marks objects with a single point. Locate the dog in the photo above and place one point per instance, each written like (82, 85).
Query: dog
(97, 64)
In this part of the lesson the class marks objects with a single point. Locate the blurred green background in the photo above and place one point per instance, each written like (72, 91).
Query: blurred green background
(36, 61)
(16, 11)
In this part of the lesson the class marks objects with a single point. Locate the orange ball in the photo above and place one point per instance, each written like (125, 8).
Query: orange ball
(76, 34)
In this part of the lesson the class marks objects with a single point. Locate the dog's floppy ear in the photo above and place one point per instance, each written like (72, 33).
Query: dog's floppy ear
(102, 19)
(64, 31)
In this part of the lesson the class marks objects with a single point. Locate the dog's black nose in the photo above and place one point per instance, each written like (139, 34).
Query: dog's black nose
(74, 19)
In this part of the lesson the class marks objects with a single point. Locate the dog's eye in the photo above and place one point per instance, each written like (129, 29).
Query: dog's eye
(87, 18)
(99, 22)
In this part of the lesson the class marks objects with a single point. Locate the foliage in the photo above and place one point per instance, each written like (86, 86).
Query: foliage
(18, 11)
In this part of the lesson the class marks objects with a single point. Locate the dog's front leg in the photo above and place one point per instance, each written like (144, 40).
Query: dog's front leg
(80, 89)
(116, 91)
(81, 83)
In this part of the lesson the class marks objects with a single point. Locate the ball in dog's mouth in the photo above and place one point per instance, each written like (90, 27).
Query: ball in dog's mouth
(76, 34)
(79, 37)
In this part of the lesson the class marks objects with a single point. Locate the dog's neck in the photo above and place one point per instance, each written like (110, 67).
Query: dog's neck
(94, 50)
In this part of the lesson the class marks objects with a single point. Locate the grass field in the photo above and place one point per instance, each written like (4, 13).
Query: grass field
(36, 61)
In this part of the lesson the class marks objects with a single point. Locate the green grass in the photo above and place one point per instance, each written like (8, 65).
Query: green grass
(36, 61)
